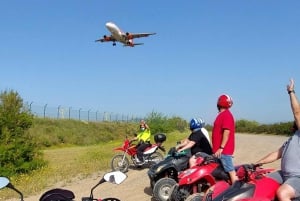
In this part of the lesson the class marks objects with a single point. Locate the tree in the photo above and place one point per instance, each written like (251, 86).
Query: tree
(18, 150)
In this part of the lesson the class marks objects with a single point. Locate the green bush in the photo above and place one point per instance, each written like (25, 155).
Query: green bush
(162, 124)
(245, 126)
(18, 151)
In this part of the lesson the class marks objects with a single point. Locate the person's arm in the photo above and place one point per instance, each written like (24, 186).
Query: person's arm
(294, 102)
(225, 138)
(271, 157)
(133, 139)
(189, 144)
(146, 126)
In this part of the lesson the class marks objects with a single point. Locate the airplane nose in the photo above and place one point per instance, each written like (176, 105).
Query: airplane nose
(109, 24)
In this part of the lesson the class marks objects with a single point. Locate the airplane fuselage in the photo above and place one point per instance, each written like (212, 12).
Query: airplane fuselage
(117, 33)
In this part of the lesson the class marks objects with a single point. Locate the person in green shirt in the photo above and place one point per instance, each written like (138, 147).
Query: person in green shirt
(143, 138)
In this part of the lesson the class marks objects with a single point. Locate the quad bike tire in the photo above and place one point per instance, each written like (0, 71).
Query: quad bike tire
(162, 188)
(117, 163)
(179, 193)
(195, 197)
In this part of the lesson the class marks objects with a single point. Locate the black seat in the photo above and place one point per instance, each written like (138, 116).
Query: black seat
(58, 194)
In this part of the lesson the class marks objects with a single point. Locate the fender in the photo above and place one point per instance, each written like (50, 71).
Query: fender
(218, 188)
(151, 149)
(196, 173)
(167, 164)
(270, 191)
(119, 149)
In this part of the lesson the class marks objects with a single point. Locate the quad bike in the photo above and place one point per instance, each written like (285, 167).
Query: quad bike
(151, 155)
(253, 185)
(199, 178)
(58, 194)
(170, 167)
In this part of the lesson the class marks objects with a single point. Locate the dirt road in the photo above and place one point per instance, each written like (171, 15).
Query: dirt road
(249, 148)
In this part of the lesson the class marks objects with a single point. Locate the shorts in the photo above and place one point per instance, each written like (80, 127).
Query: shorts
(227, 163)
(294, 182)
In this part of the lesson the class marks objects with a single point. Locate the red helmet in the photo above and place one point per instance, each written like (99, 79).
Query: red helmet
(224, 101)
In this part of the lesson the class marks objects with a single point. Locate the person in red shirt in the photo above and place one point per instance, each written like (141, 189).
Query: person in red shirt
(223, 135)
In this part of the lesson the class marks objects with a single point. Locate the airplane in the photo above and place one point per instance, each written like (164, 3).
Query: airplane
(119, 36)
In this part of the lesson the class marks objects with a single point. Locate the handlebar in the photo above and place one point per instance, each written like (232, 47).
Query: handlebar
(248, 172)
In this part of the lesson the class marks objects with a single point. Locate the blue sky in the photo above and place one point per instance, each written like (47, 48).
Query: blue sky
(202, 49)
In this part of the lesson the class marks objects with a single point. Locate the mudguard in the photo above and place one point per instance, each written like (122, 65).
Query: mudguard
(196, 173)
(177, 163)
(151, 149)
(119, 149)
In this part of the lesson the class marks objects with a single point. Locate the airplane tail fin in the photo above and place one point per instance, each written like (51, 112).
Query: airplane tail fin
(132, 45)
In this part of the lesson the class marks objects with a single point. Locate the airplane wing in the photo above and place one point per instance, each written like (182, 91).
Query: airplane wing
(138, 35)
(133, 44)
(106, 39)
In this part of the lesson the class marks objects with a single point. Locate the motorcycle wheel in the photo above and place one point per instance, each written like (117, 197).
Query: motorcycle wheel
(195, 197)
(117, 163)
(156, 157)
(162, 189)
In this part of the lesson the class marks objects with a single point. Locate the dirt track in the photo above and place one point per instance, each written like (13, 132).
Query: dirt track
(249, 148)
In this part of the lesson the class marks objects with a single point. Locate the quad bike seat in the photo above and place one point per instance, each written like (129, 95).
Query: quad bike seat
(57, 194)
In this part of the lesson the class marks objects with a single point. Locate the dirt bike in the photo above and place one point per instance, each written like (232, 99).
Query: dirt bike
(58, 194)
(199, 178)
(150, 155)
(170, 167)
(253, 184)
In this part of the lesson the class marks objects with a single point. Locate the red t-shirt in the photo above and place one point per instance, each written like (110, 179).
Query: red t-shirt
(223, 121)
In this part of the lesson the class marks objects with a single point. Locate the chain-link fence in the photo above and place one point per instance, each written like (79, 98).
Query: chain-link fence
(61, 112)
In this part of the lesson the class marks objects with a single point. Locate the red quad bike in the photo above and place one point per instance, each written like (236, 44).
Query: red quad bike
(58, 194)
(253, 185)
(151, 155)
(197, 179)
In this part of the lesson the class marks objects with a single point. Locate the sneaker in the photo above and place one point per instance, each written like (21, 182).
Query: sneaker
(138, 162)
(141, 163)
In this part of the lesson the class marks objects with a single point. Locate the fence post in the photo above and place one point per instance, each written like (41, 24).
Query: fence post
(30, 106)
(45, 111)
(70, 112)
(89, 115)
(58, 108)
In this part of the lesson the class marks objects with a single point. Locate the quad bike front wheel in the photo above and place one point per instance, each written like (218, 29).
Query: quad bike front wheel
(195, 197)
(119, 162)
(162, 189)
(179, 193)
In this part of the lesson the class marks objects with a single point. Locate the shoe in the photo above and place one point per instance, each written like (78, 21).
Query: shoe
(138, 162)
